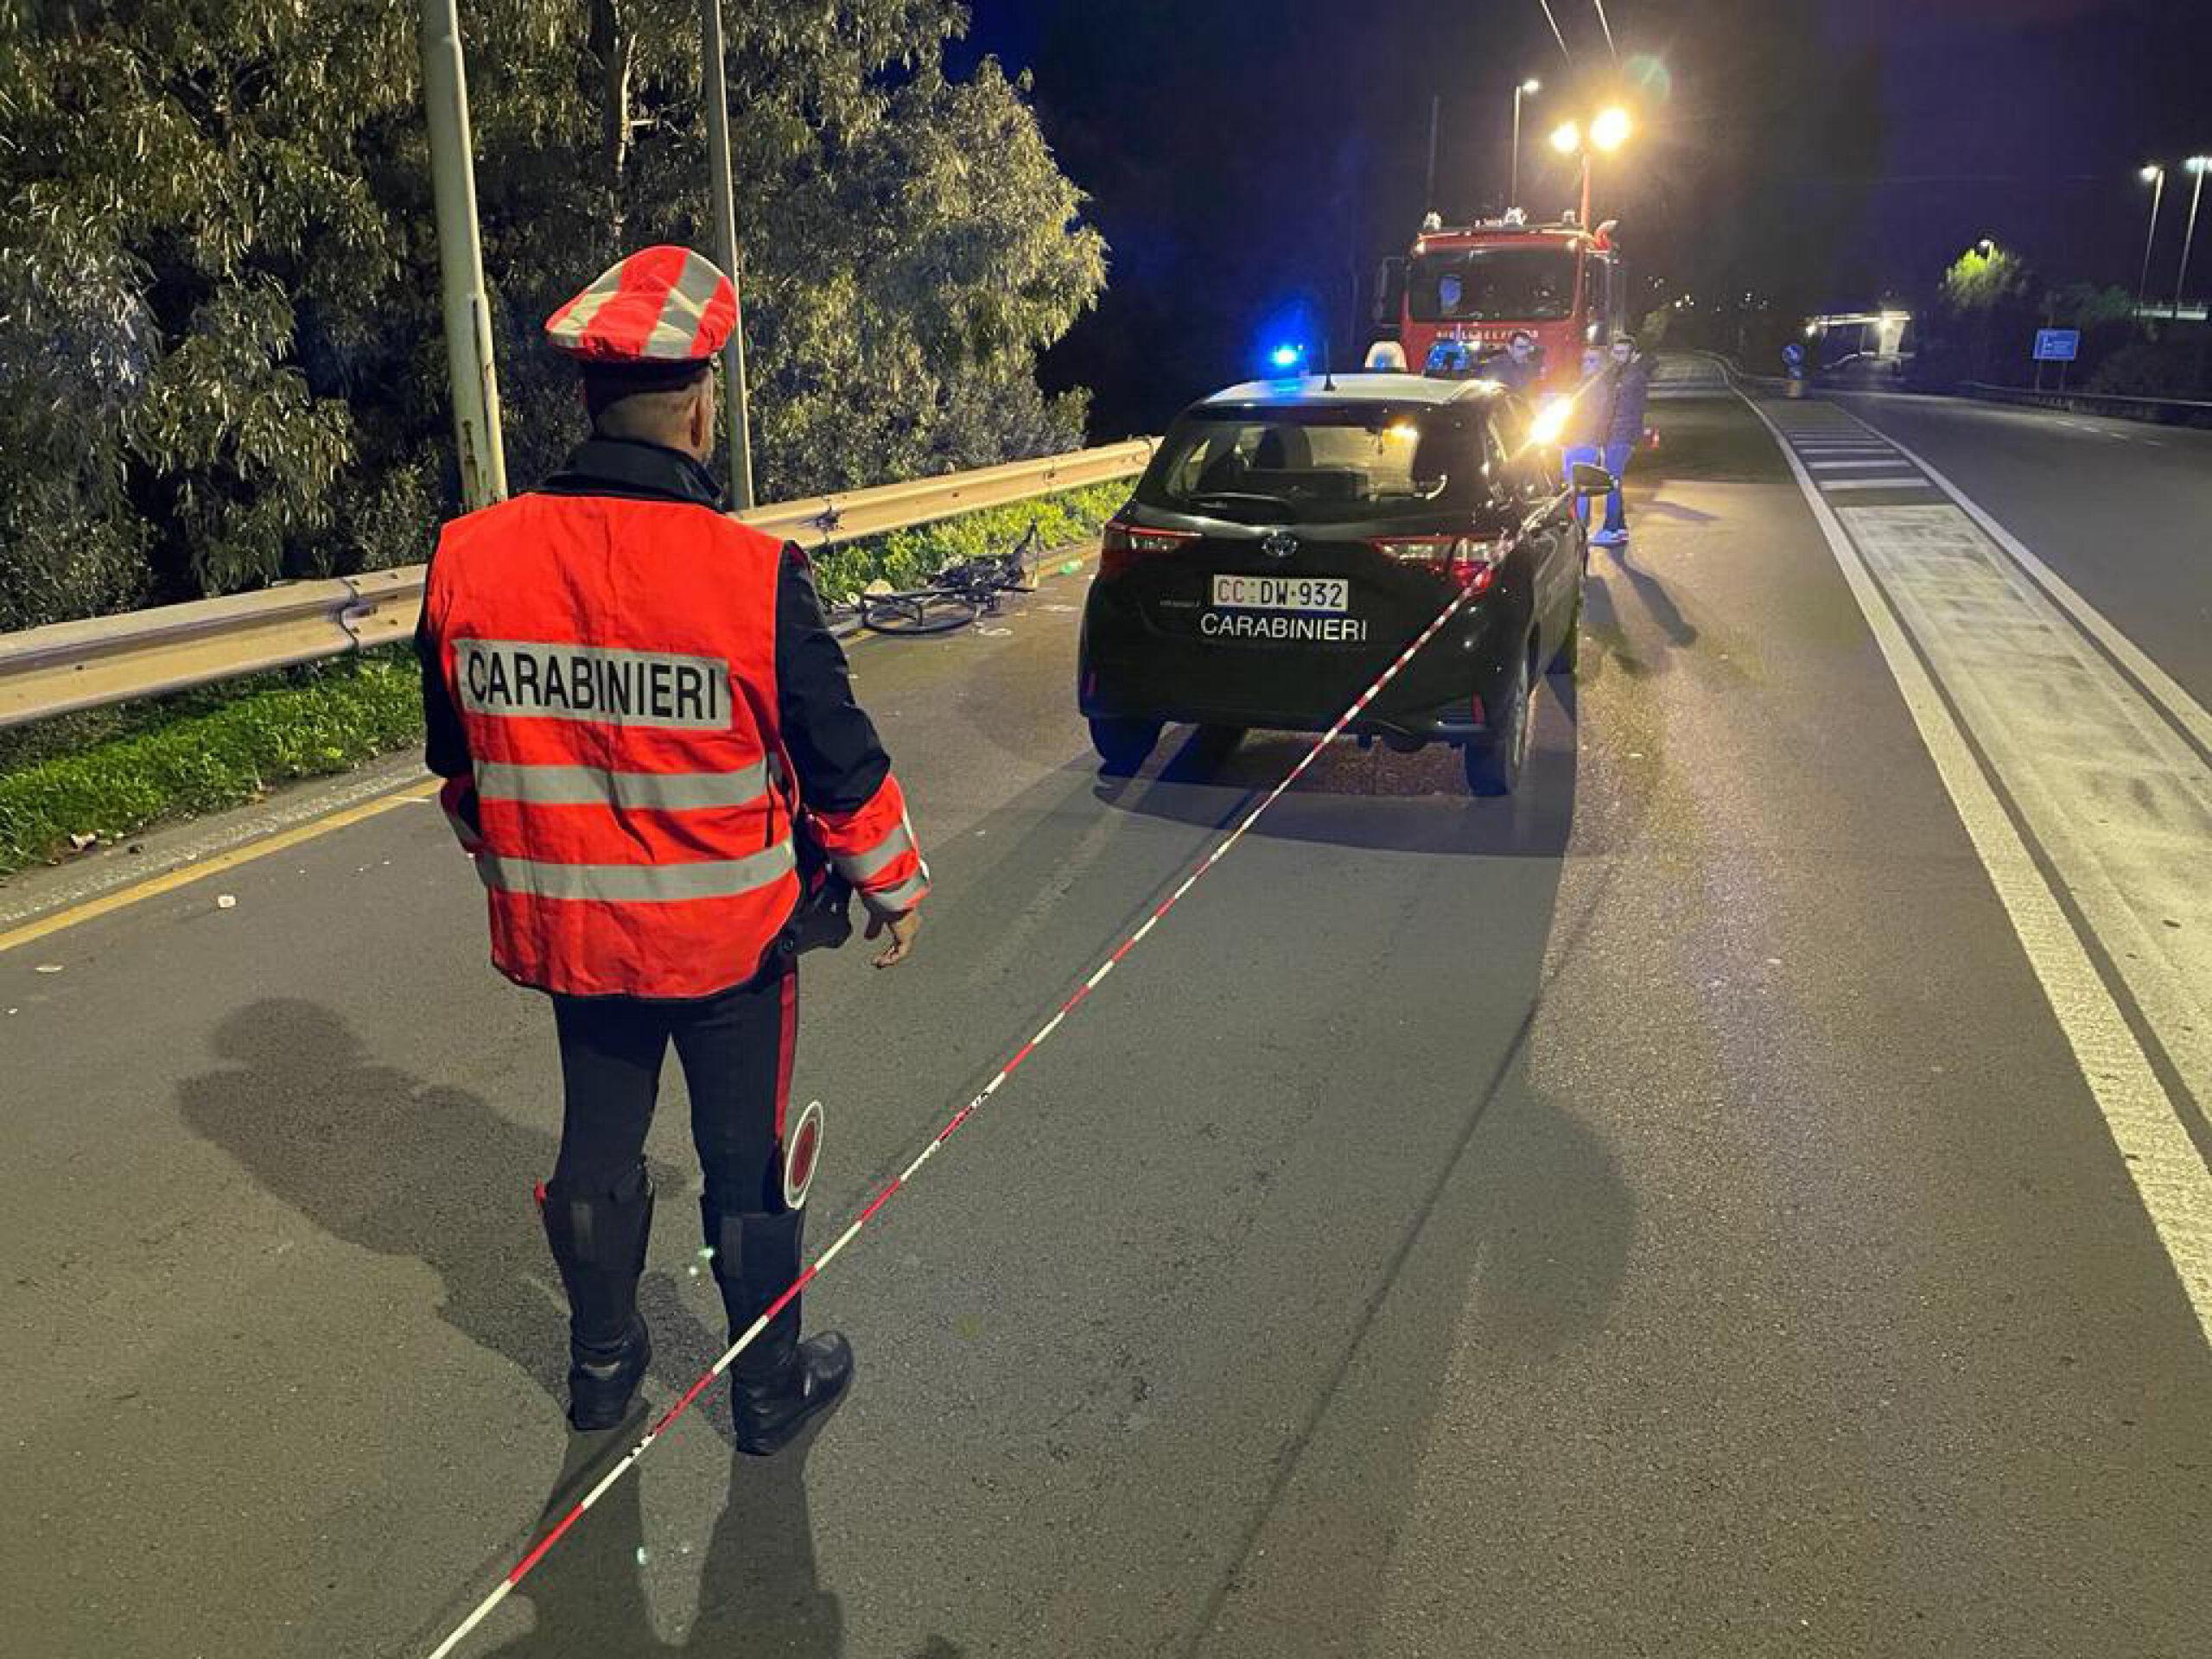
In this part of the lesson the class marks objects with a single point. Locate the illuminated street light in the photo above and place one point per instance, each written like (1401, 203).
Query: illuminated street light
(1608, 132)
(2198, 165)
(2155, 177)
(1527, 88)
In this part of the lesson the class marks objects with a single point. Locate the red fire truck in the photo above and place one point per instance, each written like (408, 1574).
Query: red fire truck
(1481, 282)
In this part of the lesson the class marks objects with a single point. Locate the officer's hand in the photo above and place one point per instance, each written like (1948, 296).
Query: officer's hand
(902, 930)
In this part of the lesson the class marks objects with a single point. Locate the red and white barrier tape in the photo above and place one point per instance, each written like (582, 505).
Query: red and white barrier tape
(522, 1568)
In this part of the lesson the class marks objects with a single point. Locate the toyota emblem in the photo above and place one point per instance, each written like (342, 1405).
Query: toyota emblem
(1279, 544)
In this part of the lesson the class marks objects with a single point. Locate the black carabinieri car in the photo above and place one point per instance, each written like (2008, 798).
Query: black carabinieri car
(1291, 537)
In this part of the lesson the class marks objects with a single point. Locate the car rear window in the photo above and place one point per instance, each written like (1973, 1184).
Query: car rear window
(1317, 465)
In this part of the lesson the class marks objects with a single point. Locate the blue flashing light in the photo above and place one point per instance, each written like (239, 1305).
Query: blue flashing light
(1287, 356)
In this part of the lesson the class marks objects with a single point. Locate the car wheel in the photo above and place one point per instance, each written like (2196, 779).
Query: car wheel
(1494, 763)
(1123, 744)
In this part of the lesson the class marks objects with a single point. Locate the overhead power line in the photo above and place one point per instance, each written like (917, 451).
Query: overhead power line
(1608, 27)
(1554, 22)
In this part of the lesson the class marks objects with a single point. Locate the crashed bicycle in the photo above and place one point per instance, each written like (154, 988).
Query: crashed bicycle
(955, 596)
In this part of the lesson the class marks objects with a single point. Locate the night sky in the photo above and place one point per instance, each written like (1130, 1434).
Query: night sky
(1248, 161)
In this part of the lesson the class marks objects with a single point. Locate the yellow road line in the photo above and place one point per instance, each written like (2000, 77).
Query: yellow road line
(154, 887)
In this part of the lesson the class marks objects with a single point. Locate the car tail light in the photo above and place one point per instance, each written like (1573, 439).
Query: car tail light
(1470, 563)
(1122, 545)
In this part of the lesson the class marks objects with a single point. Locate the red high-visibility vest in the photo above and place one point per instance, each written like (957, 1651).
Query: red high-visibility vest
(614, 663)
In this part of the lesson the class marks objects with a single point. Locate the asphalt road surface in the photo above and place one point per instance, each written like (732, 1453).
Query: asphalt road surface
(1697, 1208)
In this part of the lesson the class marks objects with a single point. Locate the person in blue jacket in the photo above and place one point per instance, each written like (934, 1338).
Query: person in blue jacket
(1631, 386)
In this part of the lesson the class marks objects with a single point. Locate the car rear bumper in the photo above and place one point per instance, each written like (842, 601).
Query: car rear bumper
(1451, 722)
(1127, 671)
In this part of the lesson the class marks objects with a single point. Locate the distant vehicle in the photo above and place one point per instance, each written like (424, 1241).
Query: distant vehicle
(1292, 536)
(1479, 283)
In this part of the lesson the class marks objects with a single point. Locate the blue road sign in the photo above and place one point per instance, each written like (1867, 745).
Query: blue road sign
(2056, 344)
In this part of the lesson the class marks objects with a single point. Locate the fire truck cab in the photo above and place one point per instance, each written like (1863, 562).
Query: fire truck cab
(1480, 284)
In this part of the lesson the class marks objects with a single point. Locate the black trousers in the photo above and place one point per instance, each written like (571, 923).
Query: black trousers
(735, 1049)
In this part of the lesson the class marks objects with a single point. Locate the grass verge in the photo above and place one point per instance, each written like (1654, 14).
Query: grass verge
(106, 774)
(307, 723)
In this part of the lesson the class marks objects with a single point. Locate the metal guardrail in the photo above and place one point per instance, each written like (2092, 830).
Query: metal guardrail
(66, 666)
(2176, 411)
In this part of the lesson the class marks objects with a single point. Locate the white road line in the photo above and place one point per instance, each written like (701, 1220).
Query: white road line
(2164, 689)
(1851, 466)
(1895, 481)
(2170, 1177)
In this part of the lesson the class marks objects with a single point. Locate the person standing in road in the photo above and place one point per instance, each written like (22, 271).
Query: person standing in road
(1517, 367)
(1630, 377)
(651, 746)
(1583, 437)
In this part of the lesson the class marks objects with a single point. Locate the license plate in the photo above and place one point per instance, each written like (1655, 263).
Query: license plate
(1314, 596)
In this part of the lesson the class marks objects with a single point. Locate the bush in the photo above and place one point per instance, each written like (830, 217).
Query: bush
(2147, 368)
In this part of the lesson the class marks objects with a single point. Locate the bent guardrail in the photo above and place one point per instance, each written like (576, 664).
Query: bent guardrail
(66, 666)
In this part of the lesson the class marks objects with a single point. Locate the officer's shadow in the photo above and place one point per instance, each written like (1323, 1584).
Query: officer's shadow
(759, 1590)
(387, 1163)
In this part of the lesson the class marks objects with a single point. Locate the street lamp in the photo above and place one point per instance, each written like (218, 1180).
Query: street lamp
(2155, 177)
(1609, 130)
(1527, 88)
(2198, 165)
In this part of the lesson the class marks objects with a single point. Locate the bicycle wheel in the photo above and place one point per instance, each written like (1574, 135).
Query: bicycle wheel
(927, 611)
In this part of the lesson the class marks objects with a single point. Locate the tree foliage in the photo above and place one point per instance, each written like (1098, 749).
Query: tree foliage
(1985, 281)
(218, 323)
(2086, 305)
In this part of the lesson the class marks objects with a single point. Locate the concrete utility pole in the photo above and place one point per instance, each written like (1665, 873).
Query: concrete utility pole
(460, 262)
(1513, 188)
(721, 188)
(1428, 184)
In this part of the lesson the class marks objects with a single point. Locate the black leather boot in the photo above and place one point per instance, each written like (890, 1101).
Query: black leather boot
(779, 1384)
(598, 1244)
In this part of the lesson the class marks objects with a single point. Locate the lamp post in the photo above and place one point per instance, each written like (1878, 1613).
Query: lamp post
(469, 365)
(1567, 139)
(1527, 88)
(1609, 130)
(737, 410)
(2198, 165)
(2155, 177)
